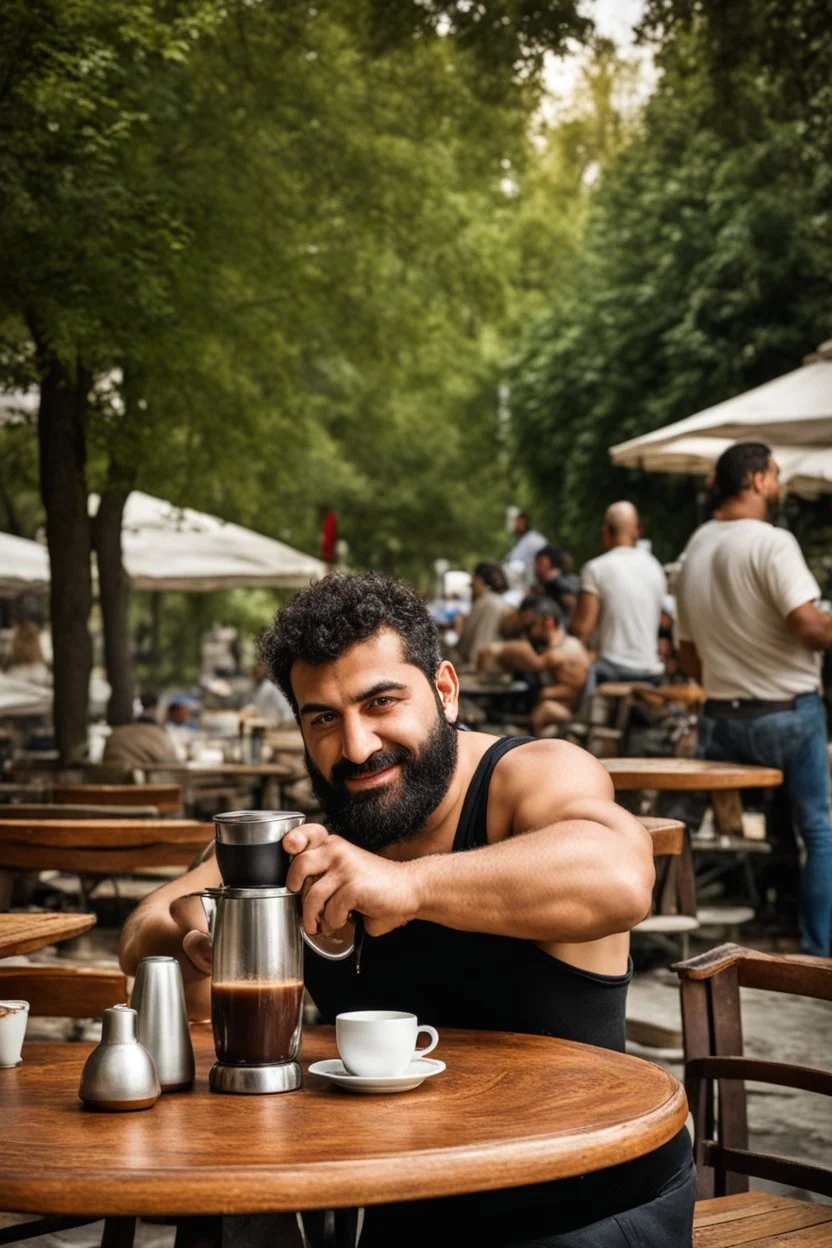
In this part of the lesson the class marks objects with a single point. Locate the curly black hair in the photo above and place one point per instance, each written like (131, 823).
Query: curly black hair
(322, 622)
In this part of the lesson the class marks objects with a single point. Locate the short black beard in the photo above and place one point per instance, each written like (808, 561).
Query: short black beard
(378, 818)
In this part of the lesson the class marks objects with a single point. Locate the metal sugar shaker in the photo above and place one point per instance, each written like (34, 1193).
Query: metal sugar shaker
(119, 1074)
(162, 1026)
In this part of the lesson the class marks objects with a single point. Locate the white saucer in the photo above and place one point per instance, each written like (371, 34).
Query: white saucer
(420, 1069)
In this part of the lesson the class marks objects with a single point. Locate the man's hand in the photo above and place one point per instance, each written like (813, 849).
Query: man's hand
(336, 879)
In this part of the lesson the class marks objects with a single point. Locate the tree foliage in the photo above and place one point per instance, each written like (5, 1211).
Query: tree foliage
(706, 266)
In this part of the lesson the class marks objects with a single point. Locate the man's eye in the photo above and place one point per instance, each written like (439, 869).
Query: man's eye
(321, 720)
(382, 701)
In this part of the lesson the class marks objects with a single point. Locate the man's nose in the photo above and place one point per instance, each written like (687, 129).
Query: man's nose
(359, 740)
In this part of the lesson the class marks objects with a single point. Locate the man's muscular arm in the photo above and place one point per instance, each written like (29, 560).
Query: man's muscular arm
(574, 868)
(166, 919)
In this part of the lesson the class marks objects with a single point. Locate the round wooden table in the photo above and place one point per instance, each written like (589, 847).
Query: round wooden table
(510, 1109)
(680, 774)
(26, 932)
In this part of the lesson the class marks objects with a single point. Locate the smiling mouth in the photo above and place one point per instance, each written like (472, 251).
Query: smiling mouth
(371, 779)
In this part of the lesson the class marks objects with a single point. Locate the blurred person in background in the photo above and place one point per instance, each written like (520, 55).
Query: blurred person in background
(181, 724)
(750, 631)
(25, 660)
(553, 579)
(555, 664)
(488, 610)
(621, 598)
(266, 702)
(142, 743)
(528, 543)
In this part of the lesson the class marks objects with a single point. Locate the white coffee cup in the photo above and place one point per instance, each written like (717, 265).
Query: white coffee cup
(14, 1016)
(375, 1043)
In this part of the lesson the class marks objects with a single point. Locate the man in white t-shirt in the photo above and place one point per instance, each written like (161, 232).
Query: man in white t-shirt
(621, 601)
(749, 629)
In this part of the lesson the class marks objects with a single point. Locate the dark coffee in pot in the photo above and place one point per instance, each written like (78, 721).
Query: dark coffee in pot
(256, 1021)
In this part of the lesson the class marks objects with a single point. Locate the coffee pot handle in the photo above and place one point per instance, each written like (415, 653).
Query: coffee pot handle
(326, 947)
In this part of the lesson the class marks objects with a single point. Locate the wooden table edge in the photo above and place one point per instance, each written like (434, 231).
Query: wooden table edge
(336, 1184)
(82, 923)
(771, 778)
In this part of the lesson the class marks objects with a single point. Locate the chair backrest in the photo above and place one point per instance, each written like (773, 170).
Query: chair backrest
(716, 1066)
(677, 888)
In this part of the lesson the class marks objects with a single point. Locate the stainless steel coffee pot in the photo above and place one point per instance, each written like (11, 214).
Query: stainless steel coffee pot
(257, 978)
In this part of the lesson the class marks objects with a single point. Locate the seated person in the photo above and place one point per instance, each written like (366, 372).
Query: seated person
(497, 879)
(266, 702)
(551, 564)
(140, 744)
(550, 655)
(483, 624)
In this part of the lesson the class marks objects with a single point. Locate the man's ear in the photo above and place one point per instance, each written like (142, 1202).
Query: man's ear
(447, 690)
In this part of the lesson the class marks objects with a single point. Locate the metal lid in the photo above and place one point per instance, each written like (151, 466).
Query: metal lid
(226, 893)
(255, 827)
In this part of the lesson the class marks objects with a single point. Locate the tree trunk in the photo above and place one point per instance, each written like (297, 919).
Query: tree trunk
(114, 593)
(62, 448)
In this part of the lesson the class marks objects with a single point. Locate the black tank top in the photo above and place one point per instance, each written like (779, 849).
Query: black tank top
(498, 983)
(472, 979)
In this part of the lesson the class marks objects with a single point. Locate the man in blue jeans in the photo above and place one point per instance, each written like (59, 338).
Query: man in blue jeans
(749, 628)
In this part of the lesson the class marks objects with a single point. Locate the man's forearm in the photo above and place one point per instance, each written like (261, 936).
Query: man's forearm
(576, 881)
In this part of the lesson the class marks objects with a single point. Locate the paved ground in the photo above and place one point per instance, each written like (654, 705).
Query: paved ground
(784, 1028)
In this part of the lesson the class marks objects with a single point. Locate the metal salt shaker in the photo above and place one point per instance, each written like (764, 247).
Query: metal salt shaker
(119, 1074)
(159, 1001)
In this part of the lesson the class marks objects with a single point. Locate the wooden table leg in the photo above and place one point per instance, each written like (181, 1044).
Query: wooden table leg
(727, 808)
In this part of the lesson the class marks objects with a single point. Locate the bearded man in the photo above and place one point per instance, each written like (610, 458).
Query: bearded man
(496, 877)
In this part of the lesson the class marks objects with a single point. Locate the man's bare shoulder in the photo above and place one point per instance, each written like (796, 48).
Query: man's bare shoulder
(542, 781)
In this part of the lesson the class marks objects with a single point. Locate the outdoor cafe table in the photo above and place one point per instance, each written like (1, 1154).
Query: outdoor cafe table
(28, 931)
(509, 1110)
(722, 781)
(101, 846)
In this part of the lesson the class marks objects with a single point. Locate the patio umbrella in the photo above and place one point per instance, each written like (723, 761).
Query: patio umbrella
(23, 565)
(793, 410)
(176, 548)
(804, 470)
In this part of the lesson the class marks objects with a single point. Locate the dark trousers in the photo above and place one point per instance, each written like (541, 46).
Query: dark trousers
(666, 1221)
(795, 742)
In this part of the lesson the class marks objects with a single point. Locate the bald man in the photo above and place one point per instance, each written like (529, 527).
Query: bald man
(621, 603)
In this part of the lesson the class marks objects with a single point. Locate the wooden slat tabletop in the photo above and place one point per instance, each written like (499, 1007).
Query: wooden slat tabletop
(688, 774)
(508, 1110)
(24, 933)
(102, 846)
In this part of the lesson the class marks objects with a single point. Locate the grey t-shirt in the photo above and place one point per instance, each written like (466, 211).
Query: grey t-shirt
(738, 581)
(631, 585)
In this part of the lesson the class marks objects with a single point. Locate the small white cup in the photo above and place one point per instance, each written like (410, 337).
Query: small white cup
(375, 1043)
(14, 1016)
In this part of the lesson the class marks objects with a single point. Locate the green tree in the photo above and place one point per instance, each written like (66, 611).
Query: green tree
(706, 266)
(274, 220)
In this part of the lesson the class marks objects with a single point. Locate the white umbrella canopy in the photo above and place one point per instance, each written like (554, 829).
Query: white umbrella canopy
(23, 565)
(176, 548)
(804, 470)
(792, 410)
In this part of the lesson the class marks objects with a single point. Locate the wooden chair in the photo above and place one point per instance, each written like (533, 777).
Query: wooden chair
(674, 913)
(715, 1071)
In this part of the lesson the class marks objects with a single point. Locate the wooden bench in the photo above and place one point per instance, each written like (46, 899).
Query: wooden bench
(729, 1215)
(64, 991)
